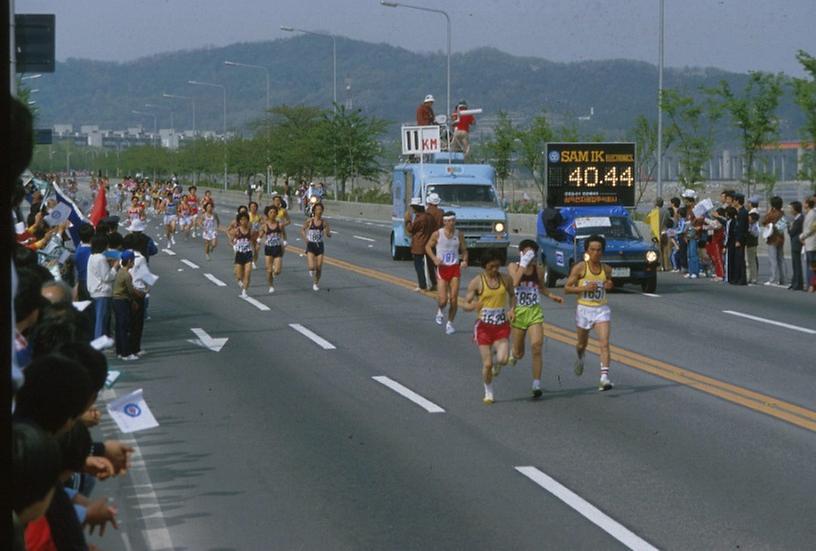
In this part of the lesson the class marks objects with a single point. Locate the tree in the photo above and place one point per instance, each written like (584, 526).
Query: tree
(753, 114)
(804, 94)
(644, 134)
(352, 144)
(691, 128)
(294, 134)
(500, 148)
(532, 143)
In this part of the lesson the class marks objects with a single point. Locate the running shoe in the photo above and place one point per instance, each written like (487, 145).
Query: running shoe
(537, 392)
(243, 293)
(131, 358)
(271, 290)
(440, 317)
(315, 287)
(449, 328)
(579, 366)
(141, 353)
(172, 240)
(605, 383)
(254, 267)
(488, 398)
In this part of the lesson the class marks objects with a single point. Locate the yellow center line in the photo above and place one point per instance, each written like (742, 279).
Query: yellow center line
(791, 413)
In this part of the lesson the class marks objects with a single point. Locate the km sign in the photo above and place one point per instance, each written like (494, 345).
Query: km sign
(420, 139)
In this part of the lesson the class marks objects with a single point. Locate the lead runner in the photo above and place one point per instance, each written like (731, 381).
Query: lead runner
(590, 280)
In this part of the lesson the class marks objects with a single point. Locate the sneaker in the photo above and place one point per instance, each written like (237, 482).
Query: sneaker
(271, 290)
(687, 276)
(579, 366)
(417, 289)
(315, 287)
(141, 353)
(693, 276)
(440, 318)
(605, 383)
(254, 267)
(449, 329)
(243, 293)
(488, 398)
(172, 240)
(131, 358)
(537, 392)
(769, 283)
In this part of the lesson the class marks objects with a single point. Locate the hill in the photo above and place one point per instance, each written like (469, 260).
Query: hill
(383, 80)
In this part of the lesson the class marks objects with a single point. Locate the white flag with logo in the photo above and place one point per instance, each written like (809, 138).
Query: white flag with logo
(58, 214)
(131, 413)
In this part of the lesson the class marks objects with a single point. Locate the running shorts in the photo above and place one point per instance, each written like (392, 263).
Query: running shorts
(186, 220)
(274, 252)
(527, 316)
(314, 248)
(587, 316)
(485, 334)
(169, 219)
(243, 258)
(209, 235)
(447, 273)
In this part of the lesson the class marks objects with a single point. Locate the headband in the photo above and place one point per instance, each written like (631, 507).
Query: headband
(449, 217)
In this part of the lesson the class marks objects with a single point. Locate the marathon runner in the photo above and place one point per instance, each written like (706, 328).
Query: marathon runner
(170, 217)
(255, 224)
(312, 233)
(209, 228)
(451, 256)
(273, 235)
(590, 280)
(190, 219)
(528, 280)
(136, 210)
(241, 237)
(491, 292)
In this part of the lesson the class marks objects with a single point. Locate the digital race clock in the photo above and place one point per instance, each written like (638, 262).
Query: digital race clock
(590, 174)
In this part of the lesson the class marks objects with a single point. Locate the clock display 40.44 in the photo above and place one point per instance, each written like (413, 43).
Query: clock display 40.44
(592, 175)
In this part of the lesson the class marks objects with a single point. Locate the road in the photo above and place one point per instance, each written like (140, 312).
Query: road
(286, 440)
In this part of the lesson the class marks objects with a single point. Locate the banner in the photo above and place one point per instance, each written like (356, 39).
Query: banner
(131, 414)
(75, 216)
(653, 218)
(100, 206)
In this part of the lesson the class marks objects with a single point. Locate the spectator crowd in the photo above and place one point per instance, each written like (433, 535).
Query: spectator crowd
(701, 240)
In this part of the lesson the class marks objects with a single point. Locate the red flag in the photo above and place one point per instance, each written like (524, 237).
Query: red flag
(99, 210)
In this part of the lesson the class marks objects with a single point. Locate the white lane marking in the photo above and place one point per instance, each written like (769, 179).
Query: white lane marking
(406, 392)
(589, 511)
(256, 303)
(361, 238)
(653, 295)
(314, 337)
(156, 533)
(215, 280)
(170, 252)
(190, 264)
(772, 322)
(207, 341)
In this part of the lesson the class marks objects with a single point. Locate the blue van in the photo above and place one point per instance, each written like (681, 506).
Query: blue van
(633, 259)
(467, 189)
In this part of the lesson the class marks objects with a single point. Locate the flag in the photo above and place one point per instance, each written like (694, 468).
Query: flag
(131, 413)
(75, 216)
(100, 206)
(58, 214)
(653, 218)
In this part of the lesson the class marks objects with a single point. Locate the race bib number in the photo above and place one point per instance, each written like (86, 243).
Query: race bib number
(597, 293)
(526, 297)
(493, 316)
(449, 258)
(273, 240)
(314, 236)
(243, 246)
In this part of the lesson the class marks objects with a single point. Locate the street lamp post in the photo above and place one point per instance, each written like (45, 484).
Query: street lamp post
(224, 90)
(448, 26)
(155, 120)
(266, 70)
(192, 99)
(154, 106)
(660, 107)
(334, 56)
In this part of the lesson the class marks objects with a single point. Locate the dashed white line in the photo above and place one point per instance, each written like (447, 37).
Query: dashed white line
(406, 392)
(190, 264)
(170, 252)
(653, 295)
(312, 336)
(215, 280)
(586, 509)
(772, 322)
(257, 304)
(361, 238)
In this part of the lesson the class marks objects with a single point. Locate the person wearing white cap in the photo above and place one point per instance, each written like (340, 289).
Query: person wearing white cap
(419, 226)
(425, 113)
(433, 210)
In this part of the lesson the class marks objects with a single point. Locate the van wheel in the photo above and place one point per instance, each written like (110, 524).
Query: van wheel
(649, 285)
(549, 277)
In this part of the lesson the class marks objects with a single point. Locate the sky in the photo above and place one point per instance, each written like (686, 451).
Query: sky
(736, 35)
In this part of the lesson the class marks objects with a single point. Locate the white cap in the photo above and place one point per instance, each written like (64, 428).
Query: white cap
(137, 225)
(433, 199)
(416, 201)
(689, 194)
(428, 98)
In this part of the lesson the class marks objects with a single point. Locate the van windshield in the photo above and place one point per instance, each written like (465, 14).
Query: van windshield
(464, 195)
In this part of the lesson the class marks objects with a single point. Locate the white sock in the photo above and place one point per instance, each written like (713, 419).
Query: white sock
(536, 384)
(489, 388)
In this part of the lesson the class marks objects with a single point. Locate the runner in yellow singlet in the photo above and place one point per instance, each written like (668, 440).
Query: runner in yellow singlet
(590, 280)
(491, 293)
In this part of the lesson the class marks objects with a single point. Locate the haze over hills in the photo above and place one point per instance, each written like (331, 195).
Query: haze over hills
(385, 81)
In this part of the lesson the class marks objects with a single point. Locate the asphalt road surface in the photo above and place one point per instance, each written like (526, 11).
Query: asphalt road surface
(347, 419)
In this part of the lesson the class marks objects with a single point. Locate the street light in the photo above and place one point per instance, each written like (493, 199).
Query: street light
(191, 98)
(448, 22)
(155, 120)
(660, 107)
(154, 106)
(266, 70)
(334, 56)
(224, 90)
